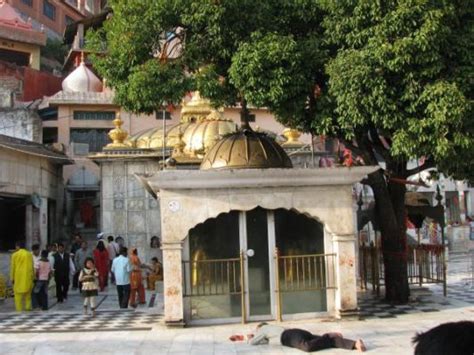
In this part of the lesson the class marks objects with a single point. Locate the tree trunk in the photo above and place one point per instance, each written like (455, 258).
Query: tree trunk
(390, 212)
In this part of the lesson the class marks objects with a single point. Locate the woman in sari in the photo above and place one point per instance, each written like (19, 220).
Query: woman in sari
(136, 282)
(101, 260)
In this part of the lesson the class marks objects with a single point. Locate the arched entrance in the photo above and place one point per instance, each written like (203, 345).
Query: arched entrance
(232, 268)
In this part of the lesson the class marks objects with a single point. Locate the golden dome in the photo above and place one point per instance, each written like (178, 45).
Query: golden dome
(196, 138)
(246, 149)
(197, 109)
(153, 138)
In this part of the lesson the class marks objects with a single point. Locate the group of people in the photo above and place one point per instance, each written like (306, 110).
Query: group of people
(32, 272)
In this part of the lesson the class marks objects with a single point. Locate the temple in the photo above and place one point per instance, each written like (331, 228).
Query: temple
(248, 231)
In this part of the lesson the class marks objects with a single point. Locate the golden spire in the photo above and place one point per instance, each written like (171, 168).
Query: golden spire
(117, 135)
(197, 109)
(178, 149)
(292, 135)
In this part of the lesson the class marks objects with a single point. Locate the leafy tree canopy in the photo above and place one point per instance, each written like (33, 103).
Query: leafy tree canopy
(391, 79)
(401, 70)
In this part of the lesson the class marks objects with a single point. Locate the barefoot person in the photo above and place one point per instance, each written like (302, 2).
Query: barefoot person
(302, 339)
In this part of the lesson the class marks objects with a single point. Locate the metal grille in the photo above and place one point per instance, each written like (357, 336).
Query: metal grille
(212, 277)
(306, 272)
(425, 265)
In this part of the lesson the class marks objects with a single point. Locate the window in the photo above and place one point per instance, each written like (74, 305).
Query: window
(95, 138)
(251, 117)
(27, 2)
(159, 115)
(94, 115)
(49, 10)
(50, 135)
(68, 20)
(21, 59)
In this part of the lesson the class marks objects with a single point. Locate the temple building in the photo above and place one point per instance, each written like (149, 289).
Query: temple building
(248, 230)
(127, 210)
(83, 113)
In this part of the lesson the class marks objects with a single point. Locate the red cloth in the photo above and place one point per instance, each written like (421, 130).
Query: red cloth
(101, 259)
(87, 213)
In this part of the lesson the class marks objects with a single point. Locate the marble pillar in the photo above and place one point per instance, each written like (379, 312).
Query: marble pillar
(346, 293)
(173, 283)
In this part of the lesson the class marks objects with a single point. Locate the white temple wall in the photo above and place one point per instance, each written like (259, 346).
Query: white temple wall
(127, 209)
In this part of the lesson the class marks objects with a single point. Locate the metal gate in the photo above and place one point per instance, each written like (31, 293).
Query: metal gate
(425, 262)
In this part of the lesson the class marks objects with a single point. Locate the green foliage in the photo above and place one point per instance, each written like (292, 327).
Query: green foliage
(398, 69)
(355, 70)
(393, 73)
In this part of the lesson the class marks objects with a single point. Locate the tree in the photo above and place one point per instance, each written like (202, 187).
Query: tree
(392, 80)
(158, 51)
(399, 86)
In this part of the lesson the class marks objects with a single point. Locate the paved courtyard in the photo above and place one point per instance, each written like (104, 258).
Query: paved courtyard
(386, 329)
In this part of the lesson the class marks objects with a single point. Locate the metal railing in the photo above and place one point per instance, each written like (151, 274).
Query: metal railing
(425, 265)
(215, 277)
(296, 273)
(293, 273)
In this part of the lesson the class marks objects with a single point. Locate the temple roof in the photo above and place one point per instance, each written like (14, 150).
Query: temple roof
(82, 79)
(14, 28)
(32, 148)
(82, 98)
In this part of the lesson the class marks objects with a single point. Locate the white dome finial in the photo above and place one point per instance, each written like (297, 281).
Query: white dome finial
(82, 79)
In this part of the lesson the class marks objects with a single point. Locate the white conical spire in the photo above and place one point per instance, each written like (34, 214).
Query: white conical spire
(82, 79)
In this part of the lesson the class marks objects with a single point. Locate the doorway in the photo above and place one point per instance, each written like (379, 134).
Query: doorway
(230, 265)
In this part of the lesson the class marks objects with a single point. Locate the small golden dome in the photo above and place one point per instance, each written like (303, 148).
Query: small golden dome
(197, 109)
(246, 149)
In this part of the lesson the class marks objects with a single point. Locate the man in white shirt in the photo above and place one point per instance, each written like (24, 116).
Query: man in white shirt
(121, 269)
(35, 249)
(113, 249)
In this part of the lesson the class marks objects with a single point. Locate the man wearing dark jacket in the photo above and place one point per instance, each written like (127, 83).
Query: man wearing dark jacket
(62, 269)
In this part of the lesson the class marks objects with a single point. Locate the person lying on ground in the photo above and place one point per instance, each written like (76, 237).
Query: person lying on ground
(302, 339)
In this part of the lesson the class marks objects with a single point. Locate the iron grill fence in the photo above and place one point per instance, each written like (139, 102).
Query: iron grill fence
(425, 265)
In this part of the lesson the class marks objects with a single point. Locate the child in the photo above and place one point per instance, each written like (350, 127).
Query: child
(43, 273)
(155, 273)
(88, 277)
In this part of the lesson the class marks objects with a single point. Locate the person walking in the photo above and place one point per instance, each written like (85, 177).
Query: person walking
(62, 268)
(121, 269)
(76, 245)
(80, 259)
(22, 276)
(136, 282)
(35, 250)
(113, 249)
(101, 259)
(43, 274)
(88, 278)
